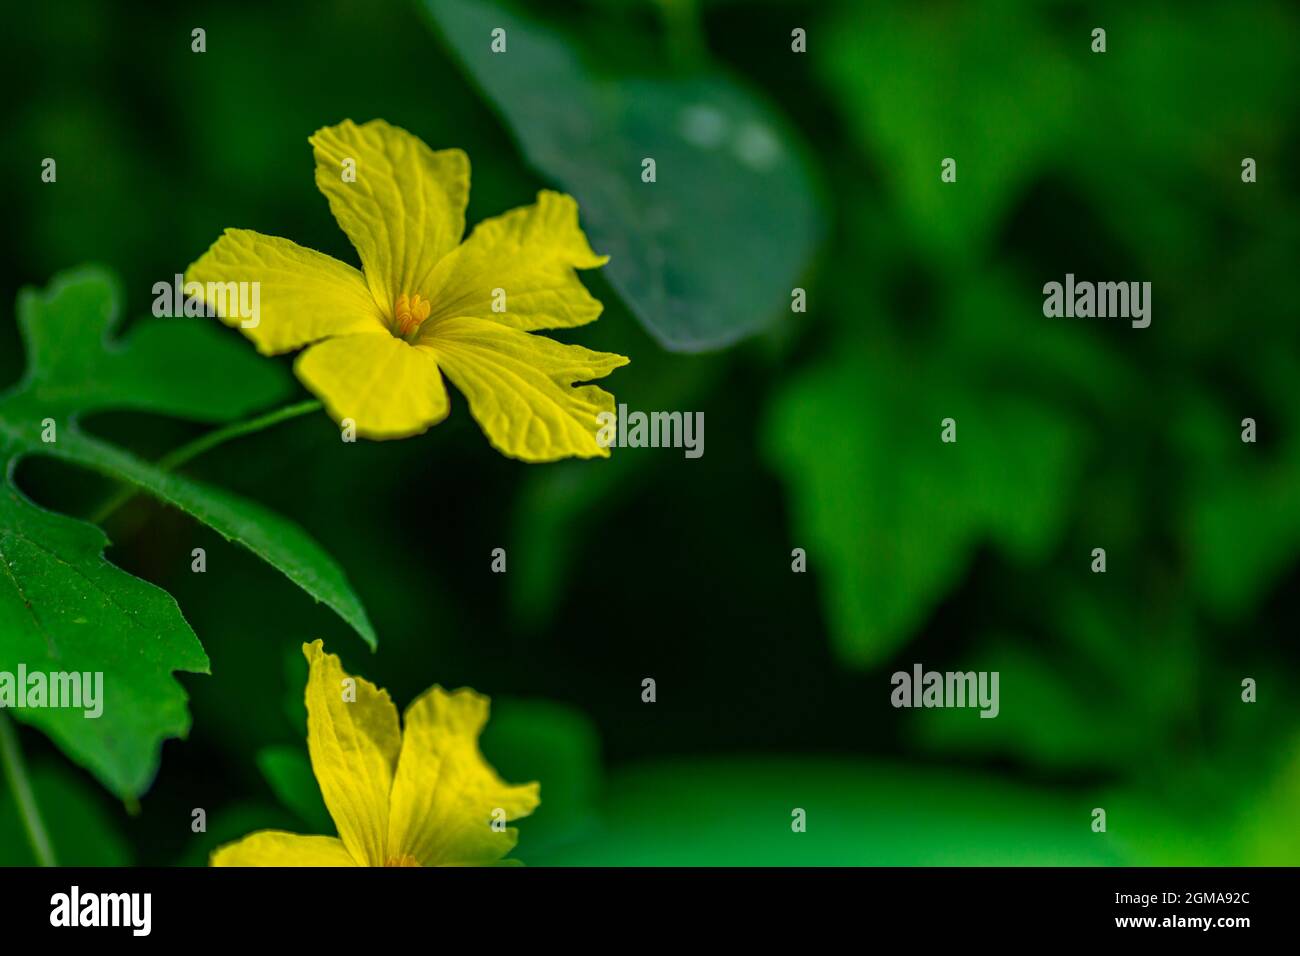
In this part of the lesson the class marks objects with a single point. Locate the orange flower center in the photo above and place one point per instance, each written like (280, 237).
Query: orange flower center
(408, 312)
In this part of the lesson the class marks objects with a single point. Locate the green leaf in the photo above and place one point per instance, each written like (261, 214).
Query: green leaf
(1011, 90)
(276, 540)
(1237, 492)
(287, 770)
(1234, 807)
(63, 607)
(733, 811)
(708, 253)
(888, 513)
(1070, 711)
(738, 812)
(553, 508)
(990, 87)
(81, 831)
(182, 367)
(1256, 502)
(557, 745)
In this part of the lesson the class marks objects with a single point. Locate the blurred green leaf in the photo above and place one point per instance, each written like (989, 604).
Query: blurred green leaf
(1115, 685)
(288, 772)
(558, 746)
(888, 513)
(1182, 94)
(66, 608)
(1053, 718)
(984, 332)
(1236, 808)
(738, 812)
(81, 832)
(708, 253)
(988, 86)
(1257, 503)
(550, 514)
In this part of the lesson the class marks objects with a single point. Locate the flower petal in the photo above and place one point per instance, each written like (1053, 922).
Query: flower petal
(303, 295)
(353, 739)
(404, 211)
(445, 793)
(389, 388)
(520, 388)
(277, 848)
(530, 255)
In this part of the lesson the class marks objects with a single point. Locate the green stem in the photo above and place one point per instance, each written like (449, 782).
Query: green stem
(685, 33)
(16, 774)
(187, 452)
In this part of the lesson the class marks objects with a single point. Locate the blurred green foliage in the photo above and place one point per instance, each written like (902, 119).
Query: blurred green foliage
(725, 222)
(82, 831)
(1119, 690)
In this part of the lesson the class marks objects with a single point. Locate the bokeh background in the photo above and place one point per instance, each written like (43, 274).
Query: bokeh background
(1119, 690)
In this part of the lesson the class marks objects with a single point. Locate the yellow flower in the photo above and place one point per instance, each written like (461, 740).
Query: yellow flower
(419, 796)
(427, 304)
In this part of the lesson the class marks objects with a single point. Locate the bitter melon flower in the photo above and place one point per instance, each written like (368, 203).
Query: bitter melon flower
(424, 304)
(416, 795)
